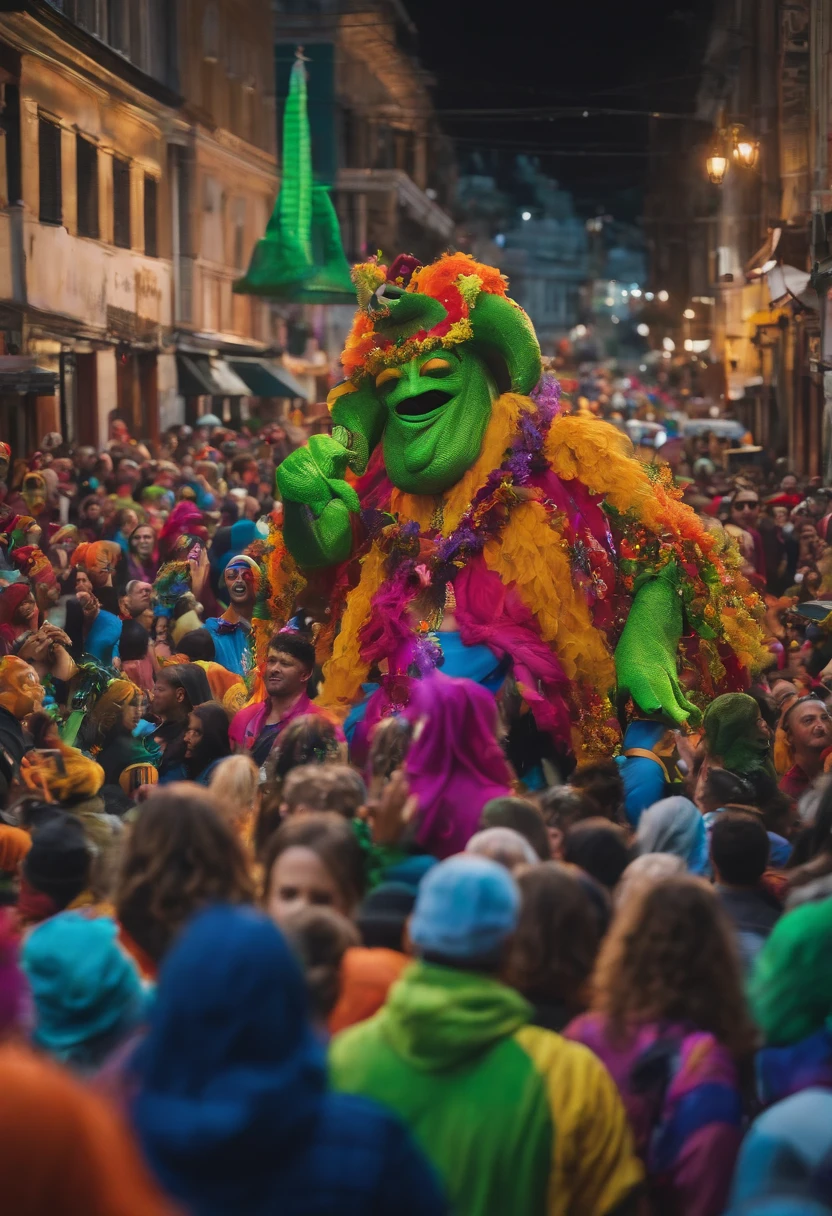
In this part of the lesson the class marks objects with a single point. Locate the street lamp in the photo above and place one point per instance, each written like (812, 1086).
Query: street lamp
(746, 149)
(717, 164)
(731, 143)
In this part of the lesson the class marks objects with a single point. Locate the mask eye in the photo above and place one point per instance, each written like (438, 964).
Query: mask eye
(388, 378)
(437, 369)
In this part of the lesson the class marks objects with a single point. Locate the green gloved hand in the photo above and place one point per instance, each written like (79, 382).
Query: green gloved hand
(645, 658)
(317, 502)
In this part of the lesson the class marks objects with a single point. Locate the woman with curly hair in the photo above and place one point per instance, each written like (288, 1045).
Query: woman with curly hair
(554, 948)
(181, 856)
(670, 1022)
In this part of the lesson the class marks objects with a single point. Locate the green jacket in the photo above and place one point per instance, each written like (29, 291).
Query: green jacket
(517, 1120)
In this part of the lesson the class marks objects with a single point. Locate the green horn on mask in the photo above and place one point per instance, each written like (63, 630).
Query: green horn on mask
(504, 336)
(405, 312)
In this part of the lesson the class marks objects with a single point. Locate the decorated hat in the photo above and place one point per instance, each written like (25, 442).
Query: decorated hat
(409, 309)
(34, 564)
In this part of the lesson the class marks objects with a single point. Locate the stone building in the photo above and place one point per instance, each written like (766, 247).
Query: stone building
(375, 137)
(223, 184)
(137, 168)
(89, 91)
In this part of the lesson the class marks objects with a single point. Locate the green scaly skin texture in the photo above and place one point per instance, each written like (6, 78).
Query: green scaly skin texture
(645, 658)
(432, 421)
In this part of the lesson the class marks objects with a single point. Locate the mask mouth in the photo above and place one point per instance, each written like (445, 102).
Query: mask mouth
(423, 404)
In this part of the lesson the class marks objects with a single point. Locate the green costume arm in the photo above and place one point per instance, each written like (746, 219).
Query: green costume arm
(645, 658)
(317, 501)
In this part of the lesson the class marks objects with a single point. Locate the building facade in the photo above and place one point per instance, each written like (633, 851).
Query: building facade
(137, 168)
(751, 264)
(90, 91)
(375, 137)
(223, 182)
(528, 227)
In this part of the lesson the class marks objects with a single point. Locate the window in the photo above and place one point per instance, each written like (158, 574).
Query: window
(10, 123)
(121, 202)
(553, 298)
(92, 15)
(117, 26)
(211, 32)
(151, 212)
(86, 175)
(239, 221)
(139, 27)
(49, 161)
(213, 246)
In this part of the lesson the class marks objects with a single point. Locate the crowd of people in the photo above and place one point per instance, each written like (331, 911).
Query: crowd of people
(253, 960)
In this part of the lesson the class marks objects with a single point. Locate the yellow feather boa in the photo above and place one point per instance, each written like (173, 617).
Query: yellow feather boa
(346, 671)
(532, 555)
(535, 558)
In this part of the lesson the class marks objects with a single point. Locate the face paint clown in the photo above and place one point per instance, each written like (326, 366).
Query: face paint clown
(476, 506)
(241, 575)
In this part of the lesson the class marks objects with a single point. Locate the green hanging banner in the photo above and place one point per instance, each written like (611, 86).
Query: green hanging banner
(300, 258)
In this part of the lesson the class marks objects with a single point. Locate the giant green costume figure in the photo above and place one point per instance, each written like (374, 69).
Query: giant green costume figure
(464, 520)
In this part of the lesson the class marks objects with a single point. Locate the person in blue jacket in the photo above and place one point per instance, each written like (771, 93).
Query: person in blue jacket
(232, 1107)
(649, 766)
(232, 631)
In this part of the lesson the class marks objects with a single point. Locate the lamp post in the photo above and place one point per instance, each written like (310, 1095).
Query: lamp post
(731, 144)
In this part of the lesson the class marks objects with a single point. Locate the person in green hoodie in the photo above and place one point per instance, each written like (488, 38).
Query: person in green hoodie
(514, 1118)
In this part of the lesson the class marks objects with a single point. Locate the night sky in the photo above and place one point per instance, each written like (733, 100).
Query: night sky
(637, 55)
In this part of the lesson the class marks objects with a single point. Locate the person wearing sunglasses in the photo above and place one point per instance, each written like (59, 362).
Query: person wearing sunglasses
(745, 514)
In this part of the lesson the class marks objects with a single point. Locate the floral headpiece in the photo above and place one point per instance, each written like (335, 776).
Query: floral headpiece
(410, 309)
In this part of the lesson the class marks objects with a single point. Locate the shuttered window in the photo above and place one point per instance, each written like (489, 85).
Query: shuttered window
(121, 202)
(86, 172)
(151, 217)
(49, 160)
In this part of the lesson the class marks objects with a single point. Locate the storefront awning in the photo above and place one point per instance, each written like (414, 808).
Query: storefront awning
(230, 384)
(265, 379)
(193, 375)
(15, 378)
(788, 285)
(204, 376)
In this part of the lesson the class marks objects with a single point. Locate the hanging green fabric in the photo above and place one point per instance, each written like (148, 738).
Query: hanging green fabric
(300, 258)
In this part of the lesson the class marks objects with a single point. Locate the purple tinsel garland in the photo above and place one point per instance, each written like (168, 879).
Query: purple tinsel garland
(390, 603)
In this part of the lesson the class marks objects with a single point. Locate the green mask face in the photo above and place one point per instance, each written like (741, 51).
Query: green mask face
(438, 407)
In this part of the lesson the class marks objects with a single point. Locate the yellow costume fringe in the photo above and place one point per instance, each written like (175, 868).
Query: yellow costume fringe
(533, 556)
(346, 671)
